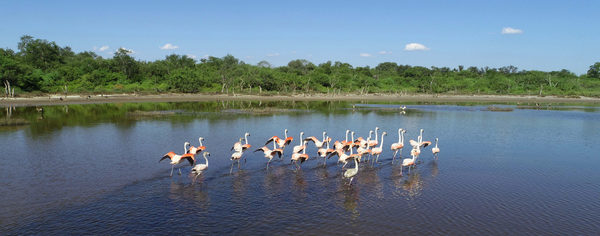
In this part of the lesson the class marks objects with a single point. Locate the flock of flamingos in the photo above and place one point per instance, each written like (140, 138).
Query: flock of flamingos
(357, 148)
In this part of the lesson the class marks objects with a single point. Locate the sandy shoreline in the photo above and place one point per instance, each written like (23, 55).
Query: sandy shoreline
(125, 98)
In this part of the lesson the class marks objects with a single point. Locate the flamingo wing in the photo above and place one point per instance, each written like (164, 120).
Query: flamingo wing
(274, 138)
(288, 140)
(189, 158)
(168, 155)
(278, 152)
(333, 153)
(311, 138)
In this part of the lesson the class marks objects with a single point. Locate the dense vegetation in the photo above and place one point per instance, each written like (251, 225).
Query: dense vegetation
(40, 66)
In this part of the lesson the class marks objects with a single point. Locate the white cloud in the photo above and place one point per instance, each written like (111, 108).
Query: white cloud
(364, 54)
(415, 47)
(129, 51)
(509, 30)
(273, 54)
(191, 56)
(385, 52)
(169, 46)
(205, 56)
(101, 49)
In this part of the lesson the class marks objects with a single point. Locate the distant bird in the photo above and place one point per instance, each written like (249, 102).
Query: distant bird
(435, 150)
(399, 145)
(350, 173)
(201, 167)
(269, 154)
(300, 156)
(176, 159)
(196, 150)
(377, 150)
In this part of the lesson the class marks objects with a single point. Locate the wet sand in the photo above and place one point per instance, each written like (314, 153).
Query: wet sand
(172, 97)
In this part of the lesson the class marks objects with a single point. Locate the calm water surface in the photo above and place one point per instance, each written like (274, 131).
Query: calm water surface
(93, 169)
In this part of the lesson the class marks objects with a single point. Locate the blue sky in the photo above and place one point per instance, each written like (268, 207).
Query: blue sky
(543, 35)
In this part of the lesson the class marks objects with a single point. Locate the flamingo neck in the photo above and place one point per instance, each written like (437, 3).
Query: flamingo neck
(206, 159)
(346, 135)
(185, 148)
(286, 134)
(200, 141)
(246, 138)
(301, 138)
(376, 134)
(356, 164)
(381, 145)
(399, 136)
(304, 149)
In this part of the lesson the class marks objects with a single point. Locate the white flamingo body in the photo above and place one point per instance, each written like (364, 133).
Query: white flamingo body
(435, 150)
(269, 154)
(201, 167)
(350, 173)
(377, 150)
(397, 147)
(302, 145)
(300, 156)
(374, 143)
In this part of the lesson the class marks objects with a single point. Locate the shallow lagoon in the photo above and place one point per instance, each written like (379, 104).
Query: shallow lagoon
(94, 169)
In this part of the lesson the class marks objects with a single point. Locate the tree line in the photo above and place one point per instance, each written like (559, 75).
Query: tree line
(41, 66)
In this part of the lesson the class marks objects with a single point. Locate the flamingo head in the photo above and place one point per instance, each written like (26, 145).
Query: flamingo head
(206, 154)
(186, 144)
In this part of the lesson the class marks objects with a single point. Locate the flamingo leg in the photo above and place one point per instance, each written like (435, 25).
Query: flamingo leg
(231, 169)
(179, 169)
(172, 166)
(239, 164)
(394, 158)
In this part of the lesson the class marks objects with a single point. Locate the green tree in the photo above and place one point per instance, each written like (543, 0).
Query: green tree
(594, 71)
